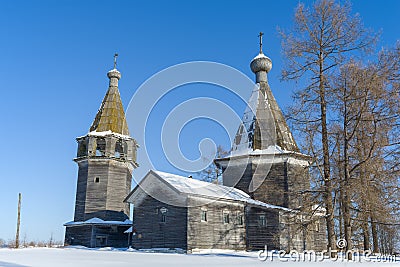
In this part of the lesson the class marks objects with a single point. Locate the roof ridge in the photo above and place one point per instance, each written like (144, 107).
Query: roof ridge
(203, 182)
(243, 197)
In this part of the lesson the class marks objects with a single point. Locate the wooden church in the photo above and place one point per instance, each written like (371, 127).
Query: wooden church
(261, 202)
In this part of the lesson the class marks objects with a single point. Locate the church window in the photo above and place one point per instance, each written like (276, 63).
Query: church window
(97, 179)
(225, 216)
(203, 215)
(163, 218)
(239, 218)
(317, 226)
(262, 221)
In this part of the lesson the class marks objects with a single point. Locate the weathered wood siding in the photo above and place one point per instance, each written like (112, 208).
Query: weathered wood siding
(214, 233)
(80, 201)
(301, 231)
(119, 186)
(298, 183)
(319, 235)
(281, 186)
(102, 199)
(238, 175)
(78, 235)
(88, 236)
(258, 235)
(292, 232)
(274, 189)
(151, 232)
(114, 236)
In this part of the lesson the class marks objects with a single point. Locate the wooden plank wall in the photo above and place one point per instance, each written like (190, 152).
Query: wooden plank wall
(78, 236)
(105, 198)
(151, 232)
(257, 235)
(281, 186)
(214, 233)
(80, 201)
(85, 235)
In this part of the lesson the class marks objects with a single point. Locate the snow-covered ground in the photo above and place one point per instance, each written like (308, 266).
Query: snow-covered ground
(77, 257)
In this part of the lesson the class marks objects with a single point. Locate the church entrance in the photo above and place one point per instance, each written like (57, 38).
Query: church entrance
(101, 240)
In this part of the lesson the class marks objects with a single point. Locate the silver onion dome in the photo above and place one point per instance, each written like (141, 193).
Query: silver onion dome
(261, 63)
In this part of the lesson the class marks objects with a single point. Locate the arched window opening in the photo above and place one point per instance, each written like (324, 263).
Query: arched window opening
(119, 150)
(82, 148)
(101, 147)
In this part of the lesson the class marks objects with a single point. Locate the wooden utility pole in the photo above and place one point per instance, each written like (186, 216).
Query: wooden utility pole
(18, 221)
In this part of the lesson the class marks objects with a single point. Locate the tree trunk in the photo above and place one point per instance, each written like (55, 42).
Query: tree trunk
(341, 224)
(365, 234)
(326, 175)
(340, 178)
(374, 234)
(365, 209)
(345, 186)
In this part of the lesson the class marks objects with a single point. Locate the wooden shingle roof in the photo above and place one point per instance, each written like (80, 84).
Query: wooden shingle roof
(111, 115)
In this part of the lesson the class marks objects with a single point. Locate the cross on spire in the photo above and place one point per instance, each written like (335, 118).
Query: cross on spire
(261, 35)
(115, 60)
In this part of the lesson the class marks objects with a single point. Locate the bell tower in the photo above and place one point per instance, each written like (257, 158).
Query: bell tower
(106, 157)
(265, 160)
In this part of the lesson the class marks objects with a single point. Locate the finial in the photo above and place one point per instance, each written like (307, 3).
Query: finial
(114, 75)
(115, 60)
(261, 64)
(261, 35)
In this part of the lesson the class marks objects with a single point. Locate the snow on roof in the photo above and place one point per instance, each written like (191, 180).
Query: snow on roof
(271, 150)
(195, 187)
(106, 133)
(98, 221)
(260, 55)
(114, 70)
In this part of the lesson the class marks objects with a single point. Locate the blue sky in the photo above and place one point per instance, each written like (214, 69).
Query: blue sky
(54, 60)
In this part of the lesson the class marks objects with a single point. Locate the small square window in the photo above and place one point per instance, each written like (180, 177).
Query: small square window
(97, 179)
(203, 215)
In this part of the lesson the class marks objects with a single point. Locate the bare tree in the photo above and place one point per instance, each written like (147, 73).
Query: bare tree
(24, 241)
(321, 39)
(212, 173)
(51, 241)
(367, 115)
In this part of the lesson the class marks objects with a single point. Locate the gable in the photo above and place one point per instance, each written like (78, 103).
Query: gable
(152, 185)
